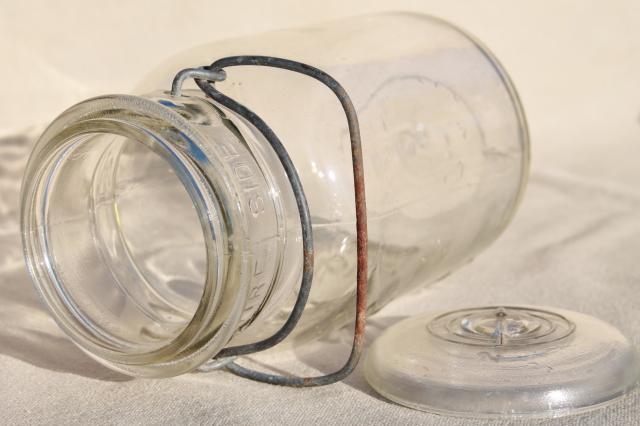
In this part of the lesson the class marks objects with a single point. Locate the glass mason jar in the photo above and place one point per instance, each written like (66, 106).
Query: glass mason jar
(160, 229)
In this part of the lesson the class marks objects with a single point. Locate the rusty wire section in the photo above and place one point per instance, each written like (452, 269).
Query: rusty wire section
(205, 78)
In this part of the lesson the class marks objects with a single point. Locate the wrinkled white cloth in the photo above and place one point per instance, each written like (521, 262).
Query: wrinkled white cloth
(573, 244)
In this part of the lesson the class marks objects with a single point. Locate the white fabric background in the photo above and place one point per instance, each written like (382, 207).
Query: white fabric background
(574, 243)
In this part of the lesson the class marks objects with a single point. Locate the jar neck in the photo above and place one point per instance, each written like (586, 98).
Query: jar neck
(180, 216)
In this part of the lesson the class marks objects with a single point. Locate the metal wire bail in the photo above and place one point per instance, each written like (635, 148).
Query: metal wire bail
(205, 78)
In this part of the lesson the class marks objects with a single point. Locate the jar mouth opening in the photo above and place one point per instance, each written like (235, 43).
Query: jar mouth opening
(124, 239)
(113, 210)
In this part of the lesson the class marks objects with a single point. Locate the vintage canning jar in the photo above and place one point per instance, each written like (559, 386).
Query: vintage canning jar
(160, 229)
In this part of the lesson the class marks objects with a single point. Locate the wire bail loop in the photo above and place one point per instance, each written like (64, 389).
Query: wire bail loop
(205, 78)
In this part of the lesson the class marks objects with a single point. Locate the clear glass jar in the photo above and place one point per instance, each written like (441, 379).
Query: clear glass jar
(160, 229)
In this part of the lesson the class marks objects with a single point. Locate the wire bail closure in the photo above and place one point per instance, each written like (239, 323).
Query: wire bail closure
(205, 78)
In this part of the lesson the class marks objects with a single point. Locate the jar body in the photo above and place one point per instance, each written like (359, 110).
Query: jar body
(445, 157)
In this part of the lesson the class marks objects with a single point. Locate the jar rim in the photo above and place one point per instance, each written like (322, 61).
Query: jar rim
(211, 327)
